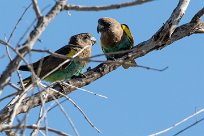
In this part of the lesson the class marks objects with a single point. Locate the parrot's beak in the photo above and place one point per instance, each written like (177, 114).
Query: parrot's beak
(93, 39)
(99, 27)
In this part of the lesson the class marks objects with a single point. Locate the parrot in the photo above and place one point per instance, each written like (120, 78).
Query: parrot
(115, 37)
(80, 43)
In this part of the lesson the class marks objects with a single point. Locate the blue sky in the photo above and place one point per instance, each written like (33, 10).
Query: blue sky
(140, 102)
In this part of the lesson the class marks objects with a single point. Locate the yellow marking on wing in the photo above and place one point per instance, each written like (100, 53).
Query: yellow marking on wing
(128, 33)
(102, 47)
(71, 53)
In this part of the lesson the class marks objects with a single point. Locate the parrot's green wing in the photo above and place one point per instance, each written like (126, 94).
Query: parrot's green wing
(103, 49)
(130, 63)
(128, 33)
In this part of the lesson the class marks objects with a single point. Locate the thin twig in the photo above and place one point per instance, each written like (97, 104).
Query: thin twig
(8, 96)
(188, 127)
(84, 90)
(19, 20)
(29, 27)
(23, 59)
(20, 80)
(177, 124)
(108, 7)
(81, 111)
(154, 69)
(54, 106)
(7, 51)
(67, 116)
(36, 8)
(2, 56)
(15, 86)
(34, 36)
(35, 131)
(197, 16)
(35, 127)
(99, 61)
(15, 27)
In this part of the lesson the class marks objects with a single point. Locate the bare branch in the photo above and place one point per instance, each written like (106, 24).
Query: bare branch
(168, 28)
(70, 100)
(36, 8)
(67, 117)
(16, 51)
(34, 127)
(8, 96)
(7, 51)
(108, 7)
(84, 90)
(52, 53)
(19, 20)
(195, 123)
(177, 124)
(41, 116)
(29, 27)
(27, 46)
(197, 16)
(99, 61)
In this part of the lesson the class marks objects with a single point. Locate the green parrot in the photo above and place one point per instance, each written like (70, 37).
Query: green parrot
(115, 37)
(80, 43)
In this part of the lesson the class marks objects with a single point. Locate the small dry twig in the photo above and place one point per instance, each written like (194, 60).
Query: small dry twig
(177, 124)
(108, 7)
(36, 8)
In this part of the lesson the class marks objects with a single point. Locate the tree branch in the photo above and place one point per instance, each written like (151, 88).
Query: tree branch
(36, 8)
(35, 127)
(168, 28)
(27, 46)
(197, 16)
(108, 7)
(178, 123)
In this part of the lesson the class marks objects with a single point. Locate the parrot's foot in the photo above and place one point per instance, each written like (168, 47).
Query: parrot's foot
(79, 76)
(61, 85)
(88, 69)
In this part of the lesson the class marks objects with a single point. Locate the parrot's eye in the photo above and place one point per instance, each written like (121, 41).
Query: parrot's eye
(86, 38)
(107, 24)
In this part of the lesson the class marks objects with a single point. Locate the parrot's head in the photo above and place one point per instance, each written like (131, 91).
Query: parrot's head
(107, 24)
(82, 39)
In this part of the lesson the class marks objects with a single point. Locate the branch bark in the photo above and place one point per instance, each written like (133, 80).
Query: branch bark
(108, 7)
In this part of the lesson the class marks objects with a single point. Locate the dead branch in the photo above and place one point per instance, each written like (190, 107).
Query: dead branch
(27, 46)
(108, 7)
(188, 127)
(36, 8)
(34, 127)
(177, 124)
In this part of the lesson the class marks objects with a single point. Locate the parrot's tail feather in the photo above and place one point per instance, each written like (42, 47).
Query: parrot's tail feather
(128, 64)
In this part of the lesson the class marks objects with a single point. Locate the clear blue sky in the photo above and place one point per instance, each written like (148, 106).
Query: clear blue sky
(140, 102)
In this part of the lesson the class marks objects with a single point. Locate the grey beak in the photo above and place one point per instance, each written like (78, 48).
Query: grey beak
(93, 39)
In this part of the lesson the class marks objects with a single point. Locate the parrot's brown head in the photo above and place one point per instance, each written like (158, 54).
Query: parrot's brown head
(82, 39)
(111, 31)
